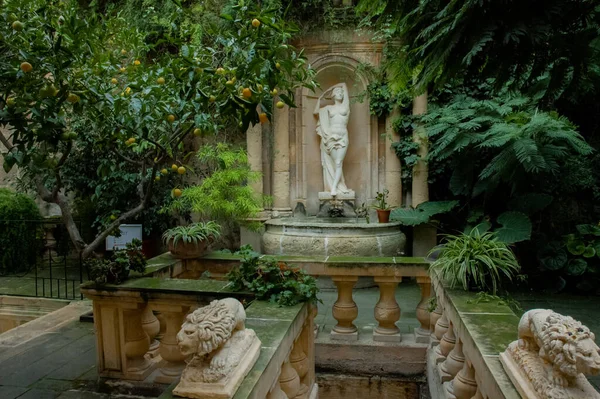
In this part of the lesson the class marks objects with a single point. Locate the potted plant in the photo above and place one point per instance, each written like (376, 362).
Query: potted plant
(116, 269)
(382, 207)
(187, 242)
(476, 261)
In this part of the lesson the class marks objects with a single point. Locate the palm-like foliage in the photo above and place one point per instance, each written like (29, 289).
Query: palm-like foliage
(510, 40)
(192, 233)
(475, 260)
(500, 140)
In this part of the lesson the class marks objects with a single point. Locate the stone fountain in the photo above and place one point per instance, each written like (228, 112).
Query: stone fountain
(328, 156)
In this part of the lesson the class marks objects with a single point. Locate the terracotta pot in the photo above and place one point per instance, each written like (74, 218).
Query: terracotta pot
(188, 250)
(383, 215)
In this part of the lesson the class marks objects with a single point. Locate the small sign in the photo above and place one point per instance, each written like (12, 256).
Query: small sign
(128, 233)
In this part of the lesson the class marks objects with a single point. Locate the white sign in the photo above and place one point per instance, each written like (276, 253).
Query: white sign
(128, 233)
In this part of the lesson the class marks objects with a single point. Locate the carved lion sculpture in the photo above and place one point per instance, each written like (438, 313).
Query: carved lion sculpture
(562, 342)
(207, 336)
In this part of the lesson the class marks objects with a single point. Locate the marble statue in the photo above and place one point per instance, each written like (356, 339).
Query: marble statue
(551, 357)
(332, 127)
(221, 350)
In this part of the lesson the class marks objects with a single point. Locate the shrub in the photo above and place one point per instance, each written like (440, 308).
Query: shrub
(117, 269)
(475, 261)
(19, 241)
(273, 281)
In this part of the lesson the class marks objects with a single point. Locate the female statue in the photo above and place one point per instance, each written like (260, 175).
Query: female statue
(333, 129)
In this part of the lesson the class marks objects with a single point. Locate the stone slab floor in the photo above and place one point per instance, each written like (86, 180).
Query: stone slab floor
(60, 364)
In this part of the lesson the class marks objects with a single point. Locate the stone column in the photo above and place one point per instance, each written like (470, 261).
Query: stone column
(453, 363)
(420, 187)
(169, 350)
(446, 344)
(387, 311)
(345, 309)
(255, 159)
(281, 161)
(276, 392)
(423, 332)
(137, 344)
(393, 173)
(463, 386)
(424, 236)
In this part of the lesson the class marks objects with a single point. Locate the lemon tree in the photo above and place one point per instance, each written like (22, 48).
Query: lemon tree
(94, 77)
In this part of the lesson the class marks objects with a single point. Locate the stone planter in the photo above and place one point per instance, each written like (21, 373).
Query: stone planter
(188, 250)
(383, 215)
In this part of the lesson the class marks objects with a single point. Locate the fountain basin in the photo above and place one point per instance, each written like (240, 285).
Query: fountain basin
(332, 237)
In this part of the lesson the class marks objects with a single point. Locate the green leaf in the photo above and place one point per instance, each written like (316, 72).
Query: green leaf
(516, 227)
(436, 207)
(576, 246)
(553, 259)
(588, 229)
(409, 216)
(589, 252)
(482, 227)
(576, 267)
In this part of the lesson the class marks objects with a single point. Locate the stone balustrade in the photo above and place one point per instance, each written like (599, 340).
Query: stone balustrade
(387, 272)
(134, 344)
(463, 357)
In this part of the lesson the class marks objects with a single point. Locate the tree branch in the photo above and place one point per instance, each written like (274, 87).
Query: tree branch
(126, 159)
(87, 251)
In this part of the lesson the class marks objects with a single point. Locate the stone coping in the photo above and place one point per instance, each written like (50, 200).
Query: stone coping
(339, 261)
(314, 222)
(277, 328)
(485, 329)
(152, 286)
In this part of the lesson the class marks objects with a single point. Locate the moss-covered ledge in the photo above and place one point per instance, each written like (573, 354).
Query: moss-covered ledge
(485, 329)
(146, 288)
(219, 264)
(277, 328)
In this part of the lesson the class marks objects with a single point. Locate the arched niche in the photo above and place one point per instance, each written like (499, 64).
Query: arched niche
(360, 164)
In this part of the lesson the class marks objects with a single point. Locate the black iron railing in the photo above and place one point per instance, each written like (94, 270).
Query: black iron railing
(37, 258)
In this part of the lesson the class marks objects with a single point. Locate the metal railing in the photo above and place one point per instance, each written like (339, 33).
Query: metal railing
(38, 259)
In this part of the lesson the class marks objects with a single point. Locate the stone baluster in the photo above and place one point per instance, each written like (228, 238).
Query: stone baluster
(151, 326)
(276, 392)
(163, 326)
(387, 311)
(453, 363)
(423, 332)
(446, 344)
(345, 309)
(463, 386)
(137, 344)
(168, 349)
(290, 381)
(299, 360)
(440, 329)
(478, 394)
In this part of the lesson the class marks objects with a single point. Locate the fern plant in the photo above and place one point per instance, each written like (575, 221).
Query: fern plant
(193, 233)
(518, 143)
(475, 261)
(224, 193)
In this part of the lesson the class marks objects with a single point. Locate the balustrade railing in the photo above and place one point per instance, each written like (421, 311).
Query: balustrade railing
(137, 324)
(387, 272)
(463, 359)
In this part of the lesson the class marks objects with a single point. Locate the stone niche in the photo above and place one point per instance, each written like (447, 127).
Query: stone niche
(288, 154)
